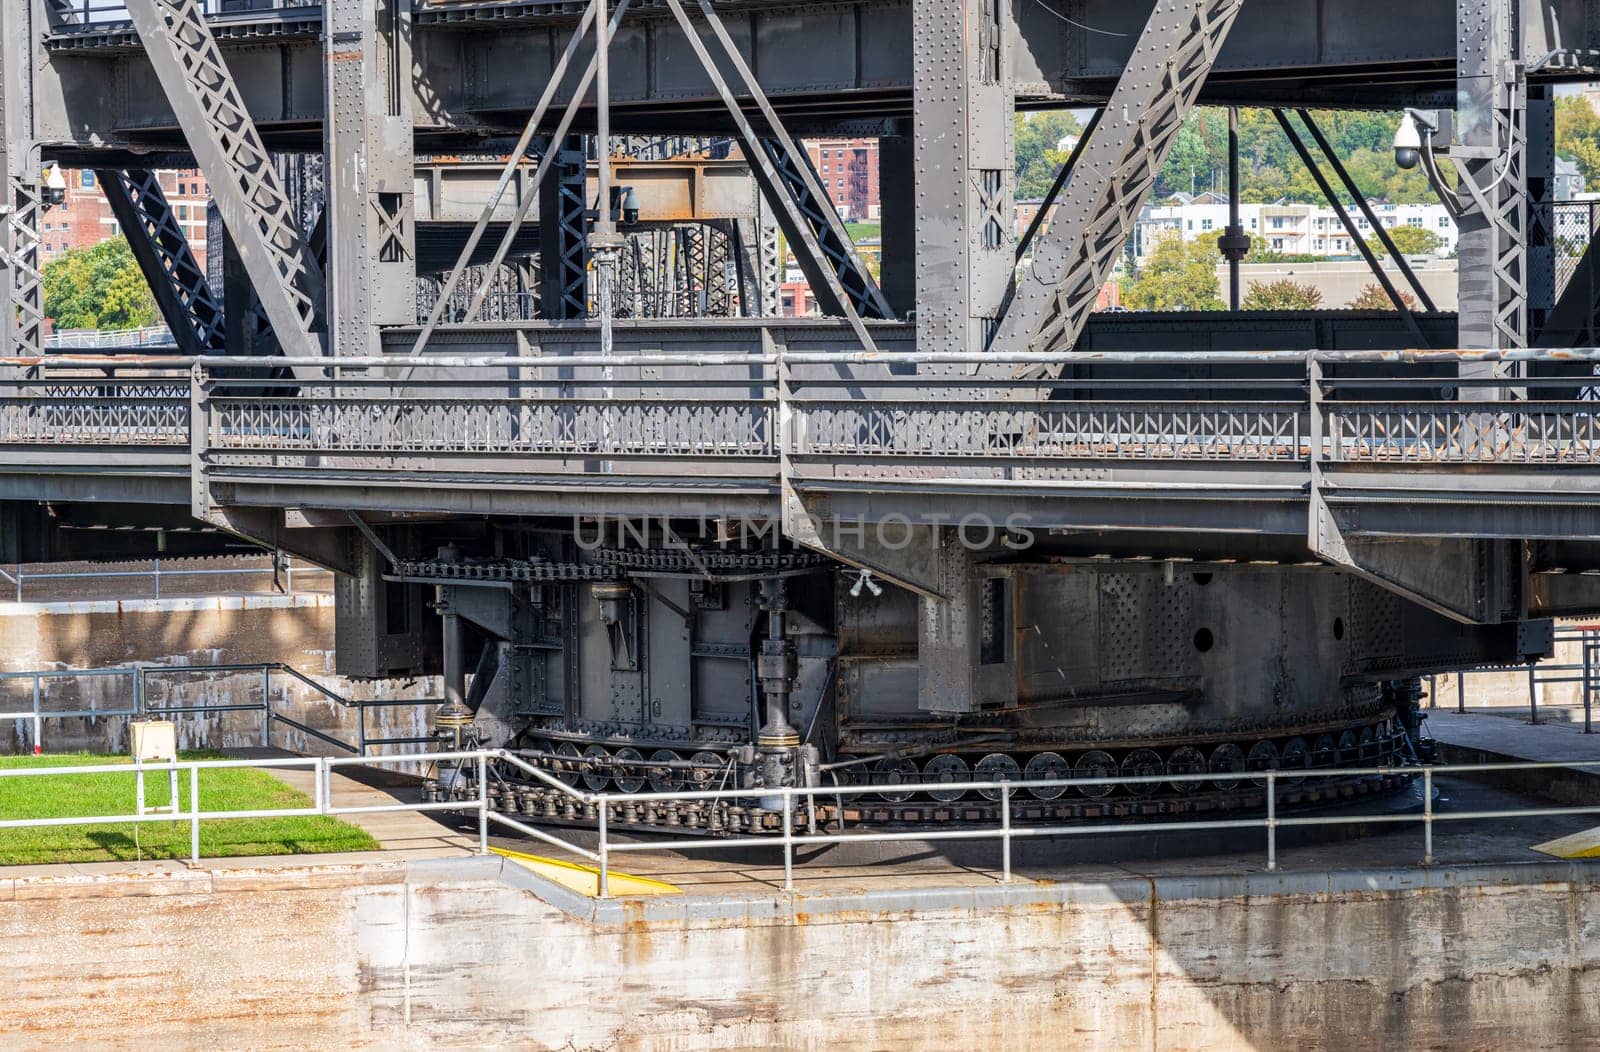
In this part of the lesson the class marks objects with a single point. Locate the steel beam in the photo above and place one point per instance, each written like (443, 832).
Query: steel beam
(965, 170)
(22, 313)
(161, 248)
(371, 236)
(1490, 156)
(1072, 259)
(211, 110)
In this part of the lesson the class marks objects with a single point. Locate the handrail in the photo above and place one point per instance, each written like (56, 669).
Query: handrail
(787, 839)
(141, 706)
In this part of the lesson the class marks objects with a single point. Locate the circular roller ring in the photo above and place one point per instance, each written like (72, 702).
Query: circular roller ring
(946, 768)
(1095, 764)
(597, 768)
(627, 769)
(1324, 753)
(1296, 757)
(566, 769)
(665, 779)
(893, 771)
(1226, 759)
(1263, 756)
(706, 766)
(1143, 763)
(1046, 766)
(996, 767)
(1186, 759)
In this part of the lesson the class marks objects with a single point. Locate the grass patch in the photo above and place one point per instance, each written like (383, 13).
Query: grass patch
(861, 231)
(223, 789)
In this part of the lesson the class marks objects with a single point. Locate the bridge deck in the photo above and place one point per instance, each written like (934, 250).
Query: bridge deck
(1425, 444)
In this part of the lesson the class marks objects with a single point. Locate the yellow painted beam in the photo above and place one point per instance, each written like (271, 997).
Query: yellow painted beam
(1578, 845)
(585, 880)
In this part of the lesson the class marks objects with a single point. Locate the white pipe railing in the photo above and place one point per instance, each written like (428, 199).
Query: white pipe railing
(786, 838)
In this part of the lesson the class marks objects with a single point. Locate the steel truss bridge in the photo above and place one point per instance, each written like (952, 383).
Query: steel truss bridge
(485, 272)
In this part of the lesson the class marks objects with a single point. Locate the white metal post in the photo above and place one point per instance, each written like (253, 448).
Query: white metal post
(1427, 817)
(788, 841)
(1272, 820)
(38, 742)
(266, 706)
(194, 811)
(483, 804)
(1005, 833)
(605, 854)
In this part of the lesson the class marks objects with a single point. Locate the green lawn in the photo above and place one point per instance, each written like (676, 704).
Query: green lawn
(226, 789)
(861, 231)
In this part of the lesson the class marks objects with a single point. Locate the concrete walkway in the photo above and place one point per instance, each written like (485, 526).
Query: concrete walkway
(1553, 742)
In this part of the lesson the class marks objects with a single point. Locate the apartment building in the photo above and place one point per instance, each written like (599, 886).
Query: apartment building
(84, 219)
(1288, 228)
(848, 170)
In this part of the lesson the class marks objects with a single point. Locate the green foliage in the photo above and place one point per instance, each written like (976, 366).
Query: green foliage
(1578, 136)
(1180, 275)
(1283, 294)
(1410, 240)
(98, 288)
(1270, 170)
(1372, 297)
(1038, 160)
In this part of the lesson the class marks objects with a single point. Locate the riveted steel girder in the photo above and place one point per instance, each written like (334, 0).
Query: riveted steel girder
(184, 297)
(1056, 289)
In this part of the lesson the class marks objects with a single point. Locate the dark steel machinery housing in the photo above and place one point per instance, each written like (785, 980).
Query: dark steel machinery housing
(490, 327)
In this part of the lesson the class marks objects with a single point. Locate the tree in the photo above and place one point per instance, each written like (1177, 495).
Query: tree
(1038, 138)
(98, 288)
(1180, 275)
(1283, 294)
(1410, 240)
(1578, 135)
(1372, 297)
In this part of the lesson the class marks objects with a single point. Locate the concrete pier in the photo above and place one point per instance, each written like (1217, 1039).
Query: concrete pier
(478, 952)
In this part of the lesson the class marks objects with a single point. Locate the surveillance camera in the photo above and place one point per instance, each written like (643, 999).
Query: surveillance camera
(55, 186)
(1407, 143)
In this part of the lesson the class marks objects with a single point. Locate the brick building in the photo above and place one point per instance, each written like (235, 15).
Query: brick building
(84, 219)
(848, 169)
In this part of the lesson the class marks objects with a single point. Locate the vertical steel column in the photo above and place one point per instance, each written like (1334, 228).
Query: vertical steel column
(1237, 243)
(964, 158)
(22, 312)
(371, 236)
(563, 234)
(1490, 156)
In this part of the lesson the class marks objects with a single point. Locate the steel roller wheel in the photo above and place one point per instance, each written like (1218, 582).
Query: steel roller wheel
(944, 769)
(1296, 757)
(1226, 759)
(1143, 763)
(1186, 759)
(894, 772)
(1324, 752)
(663, 778)
(1263, 756)
(567, 767)
(1047, 766)
(628, 770)
(596, 768)
(996, 767)
(1095, 764)
(707, 769)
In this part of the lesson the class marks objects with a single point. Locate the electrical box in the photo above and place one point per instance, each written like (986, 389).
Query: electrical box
(154, 740)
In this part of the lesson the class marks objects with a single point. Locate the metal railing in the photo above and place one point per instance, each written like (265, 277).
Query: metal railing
(322, 800)
(805, 413)
(109, 339)
(19, 576)
(1584, 672)
(140, 705)
(797, 807)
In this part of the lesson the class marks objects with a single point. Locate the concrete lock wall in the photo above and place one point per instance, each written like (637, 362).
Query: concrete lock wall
(296, 630)
(479, 953)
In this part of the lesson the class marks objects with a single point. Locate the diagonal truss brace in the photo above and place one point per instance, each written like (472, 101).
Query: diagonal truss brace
(244, 182)
(1071, 260)
(838, 253)
(181, 291)
(796, 227)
